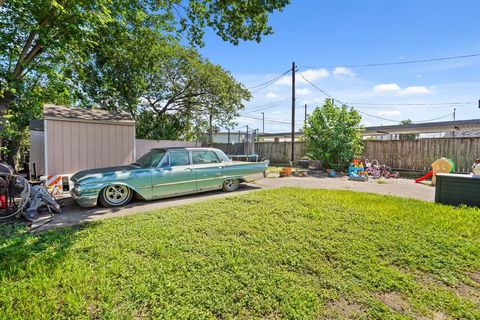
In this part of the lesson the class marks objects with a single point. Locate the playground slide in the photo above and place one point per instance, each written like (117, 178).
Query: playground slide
(428, 175)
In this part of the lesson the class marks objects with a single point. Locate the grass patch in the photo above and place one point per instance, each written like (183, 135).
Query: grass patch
(284, 253)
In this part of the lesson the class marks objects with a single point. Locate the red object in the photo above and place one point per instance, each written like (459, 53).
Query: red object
(428, 175)
(3, 201)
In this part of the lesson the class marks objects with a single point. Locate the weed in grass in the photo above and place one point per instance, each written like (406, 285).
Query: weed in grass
(283, 253)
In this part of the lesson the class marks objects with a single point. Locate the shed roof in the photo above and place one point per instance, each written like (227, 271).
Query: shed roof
(51, 111)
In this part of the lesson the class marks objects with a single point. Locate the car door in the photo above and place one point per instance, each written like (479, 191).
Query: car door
(174, 175)
(208, 169)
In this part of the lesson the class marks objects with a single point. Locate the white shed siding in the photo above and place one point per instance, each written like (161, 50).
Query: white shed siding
(37, 151)
(78, 145)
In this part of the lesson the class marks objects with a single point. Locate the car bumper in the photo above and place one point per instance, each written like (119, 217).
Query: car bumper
(85, 201)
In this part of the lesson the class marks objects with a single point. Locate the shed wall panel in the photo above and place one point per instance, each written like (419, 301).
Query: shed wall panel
(37, 151)
(75, 145)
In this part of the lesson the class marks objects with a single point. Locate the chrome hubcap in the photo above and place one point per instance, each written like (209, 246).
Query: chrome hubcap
(116, 194)
(231, 184)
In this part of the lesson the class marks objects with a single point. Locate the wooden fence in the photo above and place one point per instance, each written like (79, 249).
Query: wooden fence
(419, 154)
(399, 154)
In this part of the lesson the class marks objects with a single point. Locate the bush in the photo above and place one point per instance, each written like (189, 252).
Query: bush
(333, 135)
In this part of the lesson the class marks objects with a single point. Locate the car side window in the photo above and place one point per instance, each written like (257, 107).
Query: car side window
(203, 157)
(179, 158)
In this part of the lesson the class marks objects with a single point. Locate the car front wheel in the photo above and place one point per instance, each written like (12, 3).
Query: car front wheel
(115, 195)
(230, 185)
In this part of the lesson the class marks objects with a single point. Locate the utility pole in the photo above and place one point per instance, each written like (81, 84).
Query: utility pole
(263, 122)
(454, 111)
(211, 129)
(247, 144)
(305, 114)
(228, 139)
(293, 112)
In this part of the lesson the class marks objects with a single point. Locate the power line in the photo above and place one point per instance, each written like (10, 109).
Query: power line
(400, 62)
(268, 83)
(266, 106)
(413, 104)
(367, 114)
(269, 119)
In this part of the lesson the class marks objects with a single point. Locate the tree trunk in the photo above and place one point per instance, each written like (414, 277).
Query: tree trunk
(5, 103)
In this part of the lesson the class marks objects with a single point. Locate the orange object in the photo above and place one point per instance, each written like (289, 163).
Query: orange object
(286, 172)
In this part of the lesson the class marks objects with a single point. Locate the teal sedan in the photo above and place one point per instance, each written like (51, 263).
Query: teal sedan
(163, 173)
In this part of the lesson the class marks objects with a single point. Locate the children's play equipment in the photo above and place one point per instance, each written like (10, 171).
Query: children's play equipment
(377, 170)
(442, 165)
(356, 171)
(476, 167)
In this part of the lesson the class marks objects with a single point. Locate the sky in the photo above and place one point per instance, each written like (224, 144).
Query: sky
(325, 38)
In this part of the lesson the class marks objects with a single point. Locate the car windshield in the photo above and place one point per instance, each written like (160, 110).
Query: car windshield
(151, 159)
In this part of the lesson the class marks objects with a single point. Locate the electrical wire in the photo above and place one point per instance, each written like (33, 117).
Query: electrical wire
(267, 106)
(367, 114)
(413, 104)
(400, 62)
(268, 83)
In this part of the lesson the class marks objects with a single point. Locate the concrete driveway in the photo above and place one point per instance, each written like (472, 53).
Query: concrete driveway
(73, 214)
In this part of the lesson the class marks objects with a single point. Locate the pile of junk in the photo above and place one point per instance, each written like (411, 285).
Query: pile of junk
(20, 199)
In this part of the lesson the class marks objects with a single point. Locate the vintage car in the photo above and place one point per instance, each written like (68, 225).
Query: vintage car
(162, 173)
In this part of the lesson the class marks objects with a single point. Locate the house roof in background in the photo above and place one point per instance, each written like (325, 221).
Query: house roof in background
(51, 111)
(427, 127)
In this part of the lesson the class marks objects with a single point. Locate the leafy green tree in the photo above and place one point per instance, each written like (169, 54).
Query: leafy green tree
(41, 40)
(165, 78)
(407, 136)
(149, 125)
(333, 135)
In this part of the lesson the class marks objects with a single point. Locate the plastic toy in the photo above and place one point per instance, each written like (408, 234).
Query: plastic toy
(476, 167)
(442, 165)
(356, 171)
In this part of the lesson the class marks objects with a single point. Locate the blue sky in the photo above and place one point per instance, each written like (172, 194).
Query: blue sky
(323, 37)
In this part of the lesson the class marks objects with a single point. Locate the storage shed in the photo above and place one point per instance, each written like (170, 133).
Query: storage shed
(68, 140)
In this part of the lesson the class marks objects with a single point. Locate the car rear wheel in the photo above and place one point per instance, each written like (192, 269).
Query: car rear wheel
(230, 185)
(115, 195)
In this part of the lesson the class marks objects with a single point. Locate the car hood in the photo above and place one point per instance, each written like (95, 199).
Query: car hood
(100, 172)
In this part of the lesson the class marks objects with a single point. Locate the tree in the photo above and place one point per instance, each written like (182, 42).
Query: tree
(333, 135)
(164, 78)
(408, 136)
(40, 40)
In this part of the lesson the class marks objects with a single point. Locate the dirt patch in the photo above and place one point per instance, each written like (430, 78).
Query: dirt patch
(395, 301)
(461, 290)
(437, 315)
(475, 276)
(343, 309)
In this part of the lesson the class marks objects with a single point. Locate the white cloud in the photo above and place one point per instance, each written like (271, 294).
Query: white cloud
(416, 91)
(303, 92)
(271, 95)
(408, 91)
(386, 87)
(311, 75)
(389, 113)
(343, 72)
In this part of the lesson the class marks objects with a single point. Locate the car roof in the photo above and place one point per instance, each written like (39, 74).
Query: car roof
(185, 148)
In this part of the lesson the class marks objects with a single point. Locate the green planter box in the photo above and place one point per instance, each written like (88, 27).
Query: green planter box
(457, 189)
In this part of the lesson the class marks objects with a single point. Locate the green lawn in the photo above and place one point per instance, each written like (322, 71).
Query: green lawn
(284, 253)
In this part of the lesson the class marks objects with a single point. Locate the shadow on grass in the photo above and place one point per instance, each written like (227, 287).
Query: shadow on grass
(73, 214)
(19, 247)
